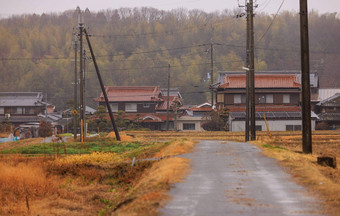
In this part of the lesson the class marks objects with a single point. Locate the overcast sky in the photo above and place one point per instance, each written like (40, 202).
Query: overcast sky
(10, 7)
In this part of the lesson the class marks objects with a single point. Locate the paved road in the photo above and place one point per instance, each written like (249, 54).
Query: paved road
(236, 179)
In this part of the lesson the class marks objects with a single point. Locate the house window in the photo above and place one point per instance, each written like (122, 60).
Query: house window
(19, 110)
(2, 110)
(146, 105)
(14, 110)
(114, 107)
(130, 107)
(220, 98)
(286, 98)
(28, 110)
(237, 99)
(243, 98)
(293, 127)
(258, 127)
(262, 98)
(269, 99)
(189, 126)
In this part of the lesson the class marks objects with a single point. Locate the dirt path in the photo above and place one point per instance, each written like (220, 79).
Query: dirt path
(236, 179)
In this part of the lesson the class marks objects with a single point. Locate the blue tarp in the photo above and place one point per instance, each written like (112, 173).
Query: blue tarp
(8, 139)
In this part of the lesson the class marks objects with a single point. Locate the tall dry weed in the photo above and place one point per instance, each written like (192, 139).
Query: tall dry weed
(21, 182)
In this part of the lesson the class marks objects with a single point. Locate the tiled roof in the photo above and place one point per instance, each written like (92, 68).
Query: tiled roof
(262, 81)
(163, 105)
(10, 99)
(22, 119)
(314, 78)
(131, 93)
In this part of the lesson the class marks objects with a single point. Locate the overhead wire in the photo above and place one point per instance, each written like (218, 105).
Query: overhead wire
(270, 25)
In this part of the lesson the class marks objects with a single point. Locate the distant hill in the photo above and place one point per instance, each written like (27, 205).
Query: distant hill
(135, 45)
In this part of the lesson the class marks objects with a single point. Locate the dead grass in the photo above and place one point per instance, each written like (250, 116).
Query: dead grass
(22, 181)
(4, 134)
(123, 136)
(84, 185)
(177, 147)
(320, 180)
(151, 191)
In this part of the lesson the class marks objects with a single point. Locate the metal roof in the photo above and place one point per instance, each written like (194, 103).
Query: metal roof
(325, 93)
(270, 115)
(23, 99)
(331, 101)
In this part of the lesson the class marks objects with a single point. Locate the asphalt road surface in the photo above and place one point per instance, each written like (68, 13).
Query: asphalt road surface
(230, 178)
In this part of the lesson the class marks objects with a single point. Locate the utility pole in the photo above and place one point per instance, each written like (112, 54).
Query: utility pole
(252, 71)
(212, 65)
(82, 108)
(46, 107)
(212, 72)
(102, 87)
(84, 102)
(168, 101)
(75, 100)
(305, 78)
(247, 76)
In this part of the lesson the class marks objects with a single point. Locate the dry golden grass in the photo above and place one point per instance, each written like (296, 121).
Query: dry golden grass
(151, 191)
(22, 180)
(320, 180)
(177, 147)
(4, 134)
(80, 185)
(123, 136)
(20, 143)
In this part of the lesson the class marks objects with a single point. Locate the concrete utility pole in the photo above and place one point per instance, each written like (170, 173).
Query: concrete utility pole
(84, 88)
(247, 77)
(82, 104)
(252, 72)
(168, 101)
(305, 78)
(212, 72)
(75, 100)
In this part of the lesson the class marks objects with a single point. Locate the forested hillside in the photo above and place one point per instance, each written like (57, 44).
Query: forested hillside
(135, 46)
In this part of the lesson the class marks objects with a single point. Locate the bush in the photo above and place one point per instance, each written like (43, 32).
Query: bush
(45, 129)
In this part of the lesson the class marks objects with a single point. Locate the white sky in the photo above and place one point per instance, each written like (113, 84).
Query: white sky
(10, 7)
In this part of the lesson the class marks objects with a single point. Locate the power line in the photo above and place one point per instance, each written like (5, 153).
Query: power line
(162, 67)
(270, 25)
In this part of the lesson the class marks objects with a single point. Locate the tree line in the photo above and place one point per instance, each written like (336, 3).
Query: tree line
(134, 46)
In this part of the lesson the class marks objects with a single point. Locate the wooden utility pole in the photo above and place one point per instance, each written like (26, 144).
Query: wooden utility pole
(168, 101)
(252, 73)
(305, 79)
(75, 100)
(102, 87)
